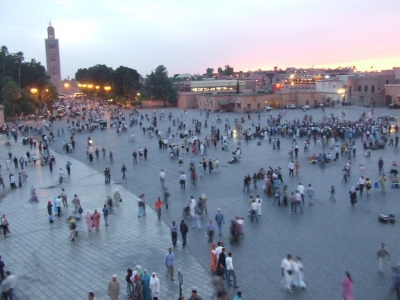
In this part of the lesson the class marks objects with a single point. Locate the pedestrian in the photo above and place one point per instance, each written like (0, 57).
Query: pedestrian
(12, 282)
(123, 170)
(297, 167)
(89, 221)
(182, 181)
(381, 255)
(128, 282)
(395, 282)
(239, 296)
(332, 193)
(348, 287)
(382, 181)
(291, 168)
(137, 288)
(68, 167)
(96, 219)
(169, 263)
(174, 233)
(113, 288)
(219, 219)
(146, 285)
(210, 231)
(77, 204)
(50, 212)
(158, 206)
(253, 210)
(34, 197)
(154, 286)
(117, 197)
(184, 229)
(2, 274)
(299, 205)
(105, 214)
(380, 165)
(58, 205)
(194, 295)
(162, 177)
(353, 196)
(298, 273)
(134, 154)
(4, 225)
(222, 260)
(141, 206)
(368, 185)
(301, 190)
(361, 184)
(310, 194)
(64, 197)
(5, 288)
(213, 258)
(287, 272)
(230, 271)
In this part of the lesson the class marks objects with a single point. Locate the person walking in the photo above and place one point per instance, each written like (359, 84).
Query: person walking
(381, 255)
(182, 181)
(77, 204)
(12, 282)
(210, 231)
(158, 206)
(301, 190)
(287, 272)
(361, 184)
(310, 194)
(222, 260)
(117, 197)
(348, 287)
(128, 282)
(353, 196)
(105, 214)
(141, 205)
(162, 178)
(58, 205)
(219, 219)
(68, 167)
(64, 197)
(382, 181)
(89, 221)
(169, 263)
(123, 170)
(174, 233)
(298, 273)
(380, 165)
(253, 210)
(50, 212)
(194, 296)
(114, 288)
(395, 282)
(184, 229)
(291, 168)
(146, 285)
(4, 225)
(230, 271)
(154, 286)
(297, 167)
(213, 258)
(96, 219)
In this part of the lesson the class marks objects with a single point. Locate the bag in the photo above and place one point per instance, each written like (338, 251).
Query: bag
(290, 272)
(181, 181)
(376, 185)
(80, 210)
(369, 186)
(120, 199)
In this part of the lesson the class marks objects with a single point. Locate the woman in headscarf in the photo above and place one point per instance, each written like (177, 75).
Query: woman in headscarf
(348, 287)
(89, 220)
(353, 196)
(213, 258)
(96, 219)
(139, 271)
(155, 286)
(146, 285)
(137, 289)
(117, 197)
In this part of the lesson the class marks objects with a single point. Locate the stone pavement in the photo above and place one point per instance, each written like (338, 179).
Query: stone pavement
(49, 266)
(330, 237)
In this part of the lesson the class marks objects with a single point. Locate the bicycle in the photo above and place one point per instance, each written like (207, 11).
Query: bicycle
(65, 179)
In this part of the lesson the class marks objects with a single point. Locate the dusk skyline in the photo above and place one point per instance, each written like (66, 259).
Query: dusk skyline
(190, 37)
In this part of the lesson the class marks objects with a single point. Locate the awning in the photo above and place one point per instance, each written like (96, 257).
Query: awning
(223, 102)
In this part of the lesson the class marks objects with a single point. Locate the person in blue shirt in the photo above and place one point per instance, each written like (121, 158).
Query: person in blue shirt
(239, 296)
(169, 263)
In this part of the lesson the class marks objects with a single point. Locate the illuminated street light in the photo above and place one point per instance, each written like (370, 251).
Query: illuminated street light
(107, 88)
(138, 94)
(33, 91)
(90, 86)
(97, 87)
(66, 85)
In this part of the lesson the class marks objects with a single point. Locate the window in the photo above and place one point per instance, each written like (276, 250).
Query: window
(387, 81)
(258, 105)
(359, 88)
(349, 89)
(372, 89)
(248, 106)
(366, 88)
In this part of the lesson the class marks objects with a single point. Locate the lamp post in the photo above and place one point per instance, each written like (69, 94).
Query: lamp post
(34, 92)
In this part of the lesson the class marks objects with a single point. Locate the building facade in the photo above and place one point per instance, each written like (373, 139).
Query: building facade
(53, 58)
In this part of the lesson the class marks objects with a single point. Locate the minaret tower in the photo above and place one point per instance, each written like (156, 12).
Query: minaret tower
(53, 58)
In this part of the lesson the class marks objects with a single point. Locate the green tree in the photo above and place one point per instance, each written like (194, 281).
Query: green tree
(11, 92)
(209, 72)
(228, 70)
(4, 53)
(125, 82)
(159, 85)
(220, 71)
(48, 95)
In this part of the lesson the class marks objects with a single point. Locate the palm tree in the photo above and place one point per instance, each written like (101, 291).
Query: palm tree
(20, 59)
(11, 92)
(49, 93)
(4, 53)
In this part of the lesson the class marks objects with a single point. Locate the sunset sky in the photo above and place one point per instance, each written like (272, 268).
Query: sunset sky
(189, 36)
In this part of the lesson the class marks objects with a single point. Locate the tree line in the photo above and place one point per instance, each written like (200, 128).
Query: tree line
(126, 84)
(18, 78)
(227, 71)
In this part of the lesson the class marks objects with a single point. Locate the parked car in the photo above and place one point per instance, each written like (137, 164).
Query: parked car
(267, 108)
(306, 107)
(394, 106)
(292, 106)
(346, 103)
(388, 117)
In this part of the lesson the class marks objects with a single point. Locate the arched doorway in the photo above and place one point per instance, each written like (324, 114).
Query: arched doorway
(388, 100)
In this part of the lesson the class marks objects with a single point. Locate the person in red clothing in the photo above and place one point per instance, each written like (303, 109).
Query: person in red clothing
(158, 206)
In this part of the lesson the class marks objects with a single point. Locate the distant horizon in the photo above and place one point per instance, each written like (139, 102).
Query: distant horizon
(190, 38)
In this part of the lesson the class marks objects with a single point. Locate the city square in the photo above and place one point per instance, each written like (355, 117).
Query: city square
(330, 237)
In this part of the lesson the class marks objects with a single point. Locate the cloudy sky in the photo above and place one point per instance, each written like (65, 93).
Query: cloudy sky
(189, 36)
